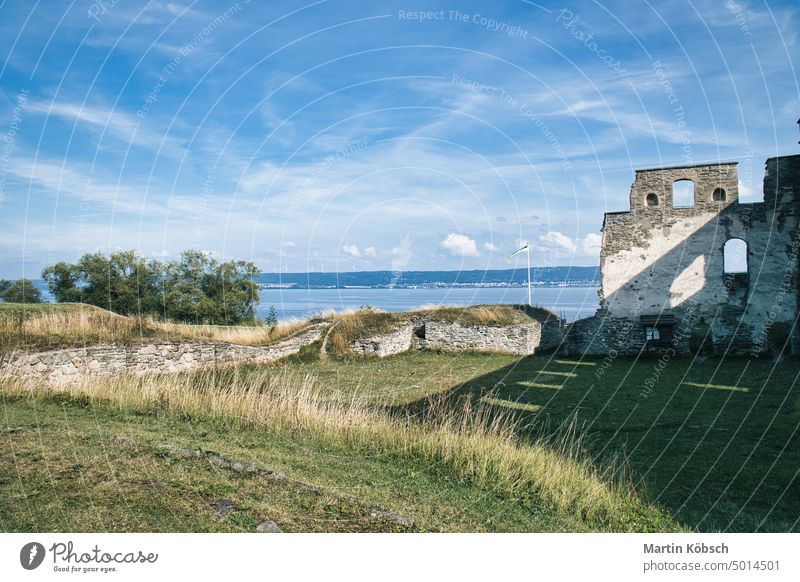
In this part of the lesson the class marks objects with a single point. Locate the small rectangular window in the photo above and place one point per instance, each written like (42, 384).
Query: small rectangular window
(651, 333)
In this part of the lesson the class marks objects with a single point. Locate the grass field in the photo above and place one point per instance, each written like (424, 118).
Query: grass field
(714, 442)
(450, 442)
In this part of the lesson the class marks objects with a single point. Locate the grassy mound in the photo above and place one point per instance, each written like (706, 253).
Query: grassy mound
(60, 325)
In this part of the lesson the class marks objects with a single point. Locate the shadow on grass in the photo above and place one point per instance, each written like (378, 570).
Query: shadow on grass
(714, 442)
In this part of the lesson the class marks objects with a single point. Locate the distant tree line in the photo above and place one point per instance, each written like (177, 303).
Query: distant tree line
(19, 291)
(195, 288)
(540, 275)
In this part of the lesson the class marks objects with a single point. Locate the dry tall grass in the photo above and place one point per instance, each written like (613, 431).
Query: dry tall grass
(471, 444)
(476, 314)
(86, 325)
(255, 335)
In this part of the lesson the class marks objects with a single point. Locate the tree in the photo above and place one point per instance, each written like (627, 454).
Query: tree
(272, 317)
(123, 282)
(20, 291)
(196, 288)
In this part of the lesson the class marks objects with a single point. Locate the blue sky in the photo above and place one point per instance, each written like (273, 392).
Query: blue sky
(371, 135)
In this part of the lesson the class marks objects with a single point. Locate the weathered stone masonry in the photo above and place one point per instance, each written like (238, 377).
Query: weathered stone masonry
(74, 365)
(663, 267)
(451, 336)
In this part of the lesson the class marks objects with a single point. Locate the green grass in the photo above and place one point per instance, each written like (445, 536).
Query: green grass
(716, 442)
(707, 445)
(68, 465)
(395, 380)
(110, 472)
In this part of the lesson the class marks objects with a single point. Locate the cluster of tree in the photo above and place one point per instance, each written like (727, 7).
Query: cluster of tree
(196, 288)
(19, 291)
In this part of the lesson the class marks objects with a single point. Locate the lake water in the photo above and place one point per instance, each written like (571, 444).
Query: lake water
(571, 303)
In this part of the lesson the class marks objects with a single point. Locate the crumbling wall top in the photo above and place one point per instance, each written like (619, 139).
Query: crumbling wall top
(715, 186)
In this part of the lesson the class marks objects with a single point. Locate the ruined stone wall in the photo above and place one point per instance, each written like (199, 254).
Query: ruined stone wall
(520, 339)
(73, 365)
(660, 259)
(388, 344)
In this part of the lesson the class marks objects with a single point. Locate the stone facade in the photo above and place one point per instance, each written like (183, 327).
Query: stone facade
(664, 272)
(383, 345)
(74, 365)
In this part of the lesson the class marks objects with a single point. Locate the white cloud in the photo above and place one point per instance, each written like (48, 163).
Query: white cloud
(351, 250)
(460, 245)
(401, 254)
(558, 242)
(487, 246)
(123, 126)
(370, 252)
(590, 245)
(559, 245)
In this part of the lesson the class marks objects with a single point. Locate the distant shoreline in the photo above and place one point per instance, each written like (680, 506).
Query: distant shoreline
(541, 277)
(571, 284)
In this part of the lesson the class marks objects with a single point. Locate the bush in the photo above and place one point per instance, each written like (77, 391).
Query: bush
(196, 288)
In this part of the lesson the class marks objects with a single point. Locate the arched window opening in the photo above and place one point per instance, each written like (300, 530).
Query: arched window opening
(719, 195)
(683, 194)
(735, 256)
(651, 199)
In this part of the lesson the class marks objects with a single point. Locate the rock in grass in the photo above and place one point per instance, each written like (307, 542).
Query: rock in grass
(222, 507)
(269, 527)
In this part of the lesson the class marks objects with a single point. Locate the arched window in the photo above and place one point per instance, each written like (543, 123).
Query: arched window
(683, 194)
(651, 199)
(719, 195)
(735, 256)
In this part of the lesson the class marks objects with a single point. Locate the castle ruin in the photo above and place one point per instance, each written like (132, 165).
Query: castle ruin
(699, 272)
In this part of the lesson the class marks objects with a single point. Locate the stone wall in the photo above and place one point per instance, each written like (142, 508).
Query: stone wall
(383, 345)
(658, 259)
(73, 365)
(520, 339)
(421, 333)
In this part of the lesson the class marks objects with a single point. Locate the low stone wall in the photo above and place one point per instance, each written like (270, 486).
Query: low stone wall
(74, 365)
(520, 339)
(383, 345)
